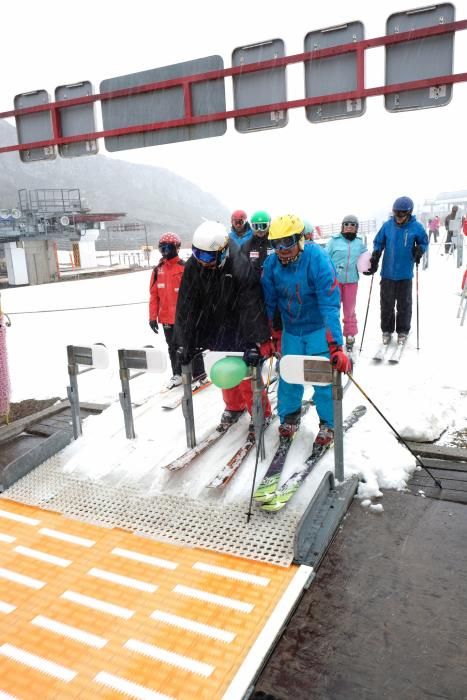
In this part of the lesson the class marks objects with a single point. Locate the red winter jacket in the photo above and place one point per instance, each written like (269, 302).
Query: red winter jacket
(163, 290)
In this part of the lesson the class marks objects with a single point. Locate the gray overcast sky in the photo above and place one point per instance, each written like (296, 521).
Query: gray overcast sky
(320, 171)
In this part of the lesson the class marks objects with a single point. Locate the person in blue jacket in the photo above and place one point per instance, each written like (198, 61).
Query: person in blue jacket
(403, 240)
(344, 249)
(241, 231)
(301, 282)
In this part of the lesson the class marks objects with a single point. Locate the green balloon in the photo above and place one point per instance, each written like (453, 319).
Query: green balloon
(228, 372)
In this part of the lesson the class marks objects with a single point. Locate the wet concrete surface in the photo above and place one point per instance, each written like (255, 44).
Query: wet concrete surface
(386, 616)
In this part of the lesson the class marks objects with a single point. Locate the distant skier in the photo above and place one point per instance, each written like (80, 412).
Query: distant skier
(221, 307)
(433, 228)
(452, 224)
(403, 240)
(163, 294)
(300, 279)
(344, 249)
(241, 231)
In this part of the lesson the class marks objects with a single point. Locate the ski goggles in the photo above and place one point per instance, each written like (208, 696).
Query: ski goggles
(259, 227)
(349, 223)
(167, 247)
(286, 242)
(401, 213)
(208, 257)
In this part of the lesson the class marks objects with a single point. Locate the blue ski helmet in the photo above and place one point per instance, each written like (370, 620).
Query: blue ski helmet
(403, 204)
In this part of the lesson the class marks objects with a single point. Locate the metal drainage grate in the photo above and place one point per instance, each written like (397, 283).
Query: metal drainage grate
(179, 520)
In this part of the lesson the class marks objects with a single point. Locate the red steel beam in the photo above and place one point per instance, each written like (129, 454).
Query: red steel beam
(185, 82)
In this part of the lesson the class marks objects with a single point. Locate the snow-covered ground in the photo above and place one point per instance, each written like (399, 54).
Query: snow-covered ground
(424, 396)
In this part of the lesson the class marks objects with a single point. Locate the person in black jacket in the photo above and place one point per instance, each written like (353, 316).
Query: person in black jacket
(220, 307)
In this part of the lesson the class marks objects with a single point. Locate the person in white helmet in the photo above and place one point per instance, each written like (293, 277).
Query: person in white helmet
(220, 307)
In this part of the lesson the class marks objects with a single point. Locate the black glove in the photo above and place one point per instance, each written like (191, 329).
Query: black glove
(185, 355)
(154, 326)
(417, 252)
(374, 260)
(252, 356)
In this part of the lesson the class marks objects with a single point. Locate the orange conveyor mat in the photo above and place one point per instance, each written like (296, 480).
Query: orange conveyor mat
(88, 611)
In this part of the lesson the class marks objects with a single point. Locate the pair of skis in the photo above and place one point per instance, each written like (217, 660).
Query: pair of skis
(270, 494)
(389, 351)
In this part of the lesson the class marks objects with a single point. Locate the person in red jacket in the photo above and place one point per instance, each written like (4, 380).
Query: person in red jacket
(163, 290)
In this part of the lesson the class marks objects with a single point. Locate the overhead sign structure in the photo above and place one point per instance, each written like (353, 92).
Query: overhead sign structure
(77, 119)
(187, 101)
(420, 58)
(179, 100)
(262, 87)
(334, 74)
(36, 126)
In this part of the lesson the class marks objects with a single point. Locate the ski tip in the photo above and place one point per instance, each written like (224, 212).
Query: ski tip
(273, 506)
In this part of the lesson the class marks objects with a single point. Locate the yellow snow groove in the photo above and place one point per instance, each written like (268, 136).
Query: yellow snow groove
(87, 611)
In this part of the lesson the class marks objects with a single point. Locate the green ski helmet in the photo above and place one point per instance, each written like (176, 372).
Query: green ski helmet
(260, 222)
(308, 230)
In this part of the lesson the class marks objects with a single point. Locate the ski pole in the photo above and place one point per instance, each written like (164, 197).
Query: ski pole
(260, 442)
(399, 437)
(418, 323)
(366, 315)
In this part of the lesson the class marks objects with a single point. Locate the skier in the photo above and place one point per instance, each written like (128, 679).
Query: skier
(300, 279)
(344, 249)
(403, 240)
(241, 231)
(221, 307)
(309, 230)
(452, 223)
(433, 228)
(257, 248)
(163, 294)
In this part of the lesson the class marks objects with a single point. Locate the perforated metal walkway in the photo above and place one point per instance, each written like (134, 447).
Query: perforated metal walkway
(89, 611)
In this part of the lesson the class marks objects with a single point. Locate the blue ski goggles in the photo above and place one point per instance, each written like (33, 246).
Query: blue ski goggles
(208, 257)
(286, 242)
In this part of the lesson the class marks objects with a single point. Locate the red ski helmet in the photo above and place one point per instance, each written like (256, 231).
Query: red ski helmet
(170, 237)
(238, 214)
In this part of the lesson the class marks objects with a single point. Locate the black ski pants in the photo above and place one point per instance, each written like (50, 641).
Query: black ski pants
(396, 294)
(198, 361)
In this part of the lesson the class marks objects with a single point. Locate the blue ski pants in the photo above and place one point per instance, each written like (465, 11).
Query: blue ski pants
(290, 396)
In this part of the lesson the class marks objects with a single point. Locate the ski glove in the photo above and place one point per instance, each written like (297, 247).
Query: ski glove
(374, 260)
(339, 359)
(417, 252)
(154, 326)
(255, 353)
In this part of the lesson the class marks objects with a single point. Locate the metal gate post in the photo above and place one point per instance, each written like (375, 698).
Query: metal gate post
(72, 392)
(337, 394)
(187, 406)
(125, 396)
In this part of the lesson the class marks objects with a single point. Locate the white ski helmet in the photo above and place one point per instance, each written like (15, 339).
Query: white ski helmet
(210, 236)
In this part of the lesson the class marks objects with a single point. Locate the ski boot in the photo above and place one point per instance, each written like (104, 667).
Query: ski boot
(349, 343)
(251, 426)
(291, 423)
(402, 338)
(228, 418)
(324, 437)
(387, 338)
(174, 381)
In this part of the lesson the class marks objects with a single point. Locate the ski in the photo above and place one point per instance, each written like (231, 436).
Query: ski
(381, 352)
(222, 478)
(268, 486)
(174, 397)
(285, 492)
(397, 354)
(185, 459)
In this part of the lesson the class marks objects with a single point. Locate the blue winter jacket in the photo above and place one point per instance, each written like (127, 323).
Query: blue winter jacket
(397, 243)
(306, 293)
(240, 240)
(344, 254)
